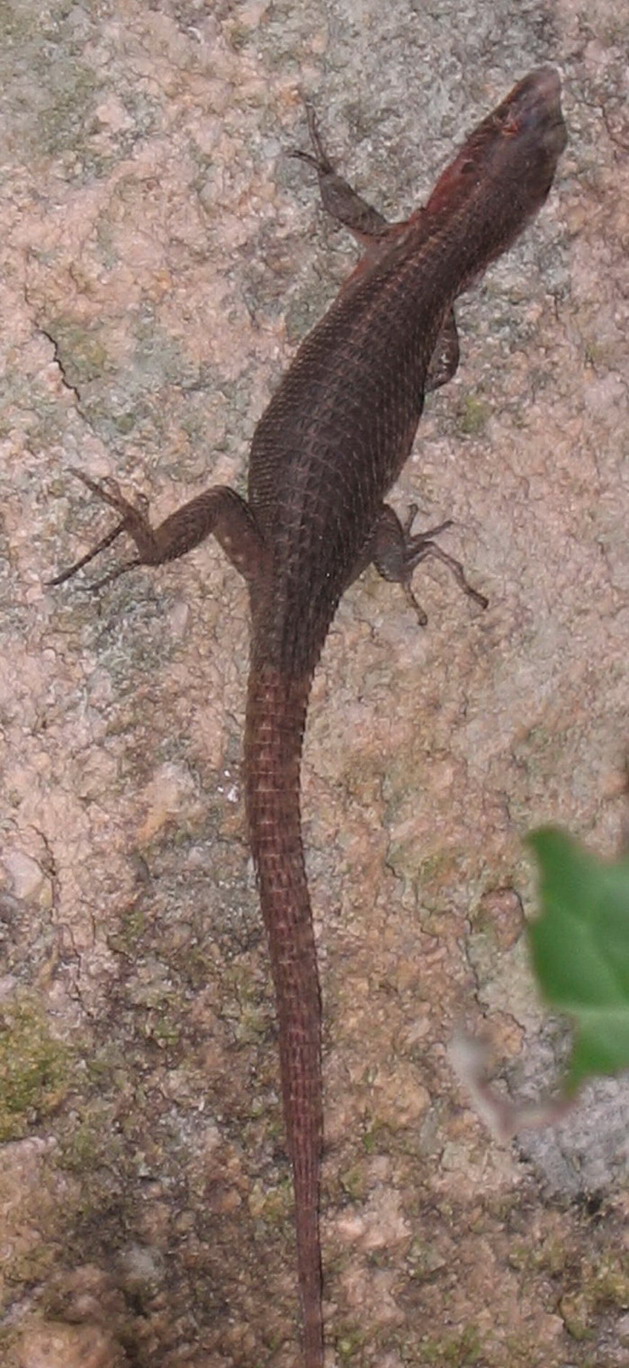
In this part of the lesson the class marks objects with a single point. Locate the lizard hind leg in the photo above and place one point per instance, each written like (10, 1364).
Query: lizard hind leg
(218, 510)
(396, 551)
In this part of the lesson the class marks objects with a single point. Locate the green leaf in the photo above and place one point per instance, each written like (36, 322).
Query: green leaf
(580, 948)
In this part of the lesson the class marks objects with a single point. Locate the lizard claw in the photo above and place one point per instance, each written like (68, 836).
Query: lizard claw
(319, 159)
(110, 492)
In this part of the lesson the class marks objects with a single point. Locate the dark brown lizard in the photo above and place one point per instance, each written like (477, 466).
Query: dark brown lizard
(324, 454)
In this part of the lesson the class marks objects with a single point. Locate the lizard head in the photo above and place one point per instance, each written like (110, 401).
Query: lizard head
(507, 163)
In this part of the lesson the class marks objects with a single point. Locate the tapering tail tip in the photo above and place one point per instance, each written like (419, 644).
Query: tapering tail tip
(313, 1349)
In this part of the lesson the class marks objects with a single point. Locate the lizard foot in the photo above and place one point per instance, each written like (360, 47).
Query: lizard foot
(134, 517)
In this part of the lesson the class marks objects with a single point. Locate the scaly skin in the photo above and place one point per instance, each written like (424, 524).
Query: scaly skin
(326, 451)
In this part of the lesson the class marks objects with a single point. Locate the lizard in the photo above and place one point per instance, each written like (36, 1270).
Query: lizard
(325, 452)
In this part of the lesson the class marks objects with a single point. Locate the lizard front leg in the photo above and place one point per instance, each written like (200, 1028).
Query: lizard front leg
(219, 511)
(369, 226)
(338, 197)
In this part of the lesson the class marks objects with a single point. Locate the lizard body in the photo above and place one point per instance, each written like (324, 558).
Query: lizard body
(324, 454)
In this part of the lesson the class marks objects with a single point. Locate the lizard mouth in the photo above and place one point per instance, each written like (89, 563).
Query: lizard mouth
(534, 108)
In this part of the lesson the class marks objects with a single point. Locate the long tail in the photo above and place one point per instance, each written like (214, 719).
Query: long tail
(276, 715)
